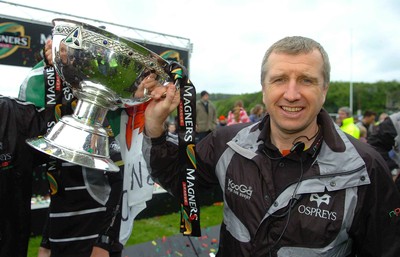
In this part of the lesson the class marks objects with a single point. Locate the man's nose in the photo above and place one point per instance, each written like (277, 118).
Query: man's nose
(292, 92)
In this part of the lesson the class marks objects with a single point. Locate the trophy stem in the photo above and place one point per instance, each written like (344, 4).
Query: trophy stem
(89, 113)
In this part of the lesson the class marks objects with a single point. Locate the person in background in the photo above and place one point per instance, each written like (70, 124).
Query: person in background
(382, 117)
(386, 141)
(222, 121)
(368, 121)
(206, 116)
(294, 184)
(363, 134)
(238, 114)
(346, 121)
(257, 113)
(172, 127)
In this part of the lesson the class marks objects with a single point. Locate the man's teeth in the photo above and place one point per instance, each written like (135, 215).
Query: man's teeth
(291, 109)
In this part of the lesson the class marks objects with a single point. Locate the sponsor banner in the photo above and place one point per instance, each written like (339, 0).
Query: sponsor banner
(21, 44)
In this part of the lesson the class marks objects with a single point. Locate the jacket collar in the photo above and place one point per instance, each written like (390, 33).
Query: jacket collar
(328, 131)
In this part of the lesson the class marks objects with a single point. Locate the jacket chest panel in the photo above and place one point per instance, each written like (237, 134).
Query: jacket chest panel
(245, 192)
(249, 194)
(314, 221)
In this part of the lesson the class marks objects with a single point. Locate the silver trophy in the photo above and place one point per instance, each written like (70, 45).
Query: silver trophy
(104, 72)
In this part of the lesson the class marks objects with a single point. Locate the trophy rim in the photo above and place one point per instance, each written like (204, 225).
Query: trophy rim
(105, 32)
(44, 145)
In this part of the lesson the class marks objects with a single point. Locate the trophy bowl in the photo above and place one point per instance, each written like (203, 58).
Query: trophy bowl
(104, 72)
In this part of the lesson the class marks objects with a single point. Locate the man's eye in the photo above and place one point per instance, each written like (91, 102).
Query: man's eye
(278, 80)
(307, 81)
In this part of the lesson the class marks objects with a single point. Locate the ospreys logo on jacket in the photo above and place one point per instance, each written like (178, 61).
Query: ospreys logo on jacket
(320, 211)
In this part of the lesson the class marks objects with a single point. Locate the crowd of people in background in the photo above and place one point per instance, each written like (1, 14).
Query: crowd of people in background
(381, 134)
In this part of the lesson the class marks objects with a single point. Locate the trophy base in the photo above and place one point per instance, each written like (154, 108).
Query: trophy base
(79, 158)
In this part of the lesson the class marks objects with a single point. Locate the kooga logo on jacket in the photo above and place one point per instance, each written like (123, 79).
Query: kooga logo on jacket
(240, 190)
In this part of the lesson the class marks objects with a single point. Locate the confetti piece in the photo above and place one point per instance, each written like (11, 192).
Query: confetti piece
(178, 253)
(154, 242)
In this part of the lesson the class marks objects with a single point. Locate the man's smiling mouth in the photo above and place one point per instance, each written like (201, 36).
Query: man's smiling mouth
(291, 109)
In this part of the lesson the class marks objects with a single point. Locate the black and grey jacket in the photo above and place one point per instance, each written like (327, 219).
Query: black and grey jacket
(334, 199)
(19, 121)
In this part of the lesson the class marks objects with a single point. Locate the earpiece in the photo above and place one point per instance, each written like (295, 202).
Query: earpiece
(298, 147)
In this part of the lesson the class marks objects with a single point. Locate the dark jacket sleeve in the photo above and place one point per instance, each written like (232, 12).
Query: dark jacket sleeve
(19, 121)
(162, 158)
(162, 155)
(376, 225)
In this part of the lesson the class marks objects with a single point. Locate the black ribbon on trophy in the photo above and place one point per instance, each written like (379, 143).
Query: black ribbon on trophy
(59, 101)
(190, 209)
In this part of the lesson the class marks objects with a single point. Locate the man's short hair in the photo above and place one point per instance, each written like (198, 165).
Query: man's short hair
(203, 93)
(369, 113)
(297, 45)
(346, 110)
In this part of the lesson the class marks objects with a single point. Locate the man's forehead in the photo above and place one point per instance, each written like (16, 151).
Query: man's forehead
(285, 54)
(306, 61)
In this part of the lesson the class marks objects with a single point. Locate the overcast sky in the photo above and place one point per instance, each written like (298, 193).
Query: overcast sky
(230, 37)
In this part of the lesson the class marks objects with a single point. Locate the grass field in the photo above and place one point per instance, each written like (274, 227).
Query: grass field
(145, 230)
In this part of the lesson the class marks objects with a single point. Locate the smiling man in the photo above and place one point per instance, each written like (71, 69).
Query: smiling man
(294, 184)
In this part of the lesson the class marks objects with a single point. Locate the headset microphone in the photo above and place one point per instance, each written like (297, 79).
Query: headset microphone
(298, 147)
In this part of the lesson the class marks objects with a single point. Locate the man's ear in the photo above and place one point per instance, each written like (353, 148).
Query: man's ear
(325, 93)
